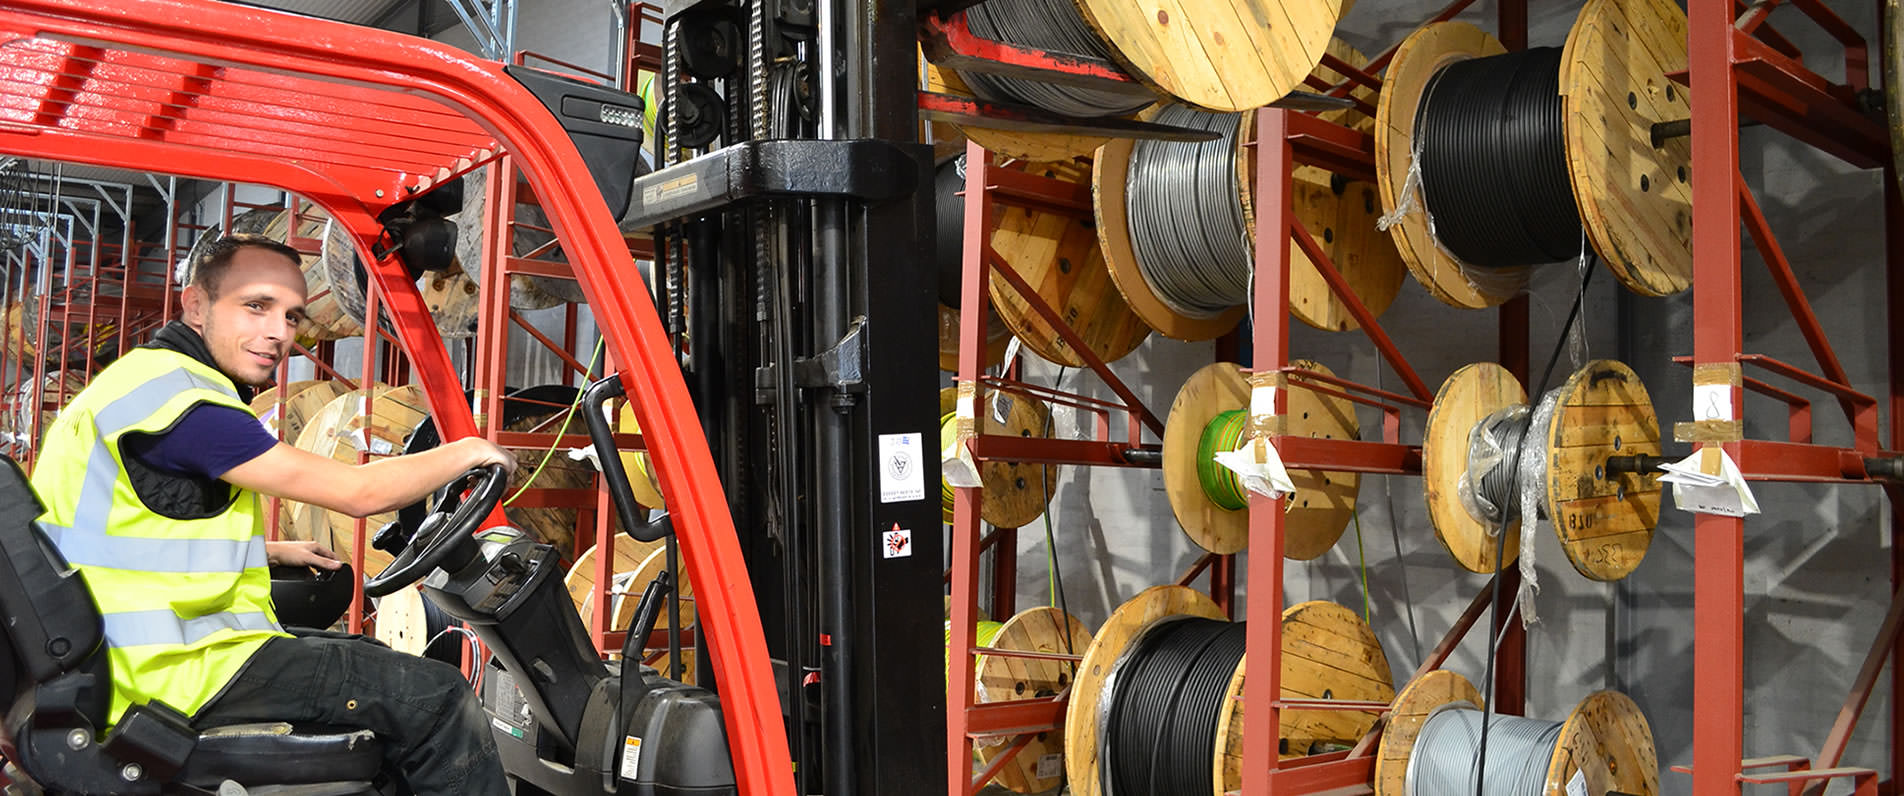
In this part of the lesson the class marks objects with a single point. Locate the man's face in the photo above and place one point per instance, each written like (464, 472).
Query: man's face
(254, 319)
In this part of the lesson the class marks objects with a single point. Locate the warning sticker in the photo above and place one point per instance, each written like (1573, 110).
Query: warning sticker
(630, 757)
(902, 472)
(896, 543)
(1050, 766)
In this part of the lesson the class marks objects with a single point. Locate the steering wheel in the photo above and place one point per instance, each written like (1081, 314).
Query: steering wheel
(448, 527)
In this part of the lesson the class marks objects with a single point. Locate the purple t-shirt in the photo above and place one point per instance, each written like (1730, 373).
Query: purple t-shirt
(207, 442)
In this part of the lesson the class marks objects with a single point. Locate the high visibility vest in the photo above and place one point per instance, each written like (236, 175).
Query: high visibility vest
(185, 602)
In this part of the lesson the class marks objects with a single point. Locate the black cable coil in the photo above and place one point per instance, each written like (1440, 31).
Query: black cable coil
(949, 207)
(1165, 703)
(1493, 159)
(1055, 26)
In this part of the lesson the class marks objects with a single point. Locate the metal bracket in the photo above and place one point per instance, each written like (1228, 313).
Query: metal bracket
(841, 367)
(865, 169)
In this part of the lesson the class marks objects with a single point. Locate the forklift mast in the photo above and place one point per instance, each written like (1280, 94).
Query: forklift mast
(788, 400)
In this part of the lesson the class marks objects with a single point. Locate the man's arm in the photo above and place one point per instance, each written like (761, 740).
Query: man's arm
(365, 489)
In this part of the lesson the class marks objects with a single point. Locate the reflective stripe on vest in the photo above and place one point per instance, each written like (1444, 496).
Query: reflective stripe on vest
(140, 628)
(94, 549)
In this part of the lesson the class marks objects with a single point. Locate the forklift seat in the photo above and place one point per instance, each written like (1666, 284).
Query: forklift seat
(56, 688)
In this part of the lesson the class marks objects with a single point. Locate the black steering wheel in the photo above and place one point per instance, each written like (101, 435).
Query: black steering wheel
(449, 527)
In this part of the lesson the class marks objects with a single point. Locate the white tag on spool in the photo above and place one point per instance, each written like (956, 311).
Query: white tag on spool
(1262, 401)
(1708, 482)
(1260, 467)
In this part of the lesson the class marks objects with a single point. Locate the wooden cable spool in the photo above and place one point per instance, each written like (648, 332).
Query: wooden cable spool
(1604, 520)
(1014, 494)
(19, 345)
(305, 399)
(1341, 219)
(1324, 502)
(526, 291)
(1058, 255)
(1606, 741)
(997, 337)
(1634, 198)
(625, 592)
(1239, 55)
(342, 430)
(1022, 144)
(408, 622)
(1328, 653)
(1039, 766)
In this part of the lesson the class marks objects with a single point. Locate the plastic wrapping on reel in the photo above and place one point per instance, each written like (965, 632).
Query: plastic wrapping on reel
(1488, 452)
(1486, 281)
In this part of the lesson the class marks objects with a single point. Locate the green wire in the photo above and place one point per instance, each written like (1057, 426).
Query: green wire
(569, 416)
(1220, 484)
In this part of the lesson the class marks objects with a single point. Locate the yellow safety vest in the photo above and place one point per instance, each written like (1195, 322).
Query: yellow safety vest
(185, 602)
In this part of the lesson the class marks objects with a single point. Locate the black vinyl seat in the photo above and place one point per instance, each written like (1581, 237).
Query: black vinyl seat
(55, 688)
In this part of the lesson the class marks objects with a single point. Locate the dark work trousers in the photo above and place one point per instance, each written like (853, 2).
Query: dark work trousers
(432, 726)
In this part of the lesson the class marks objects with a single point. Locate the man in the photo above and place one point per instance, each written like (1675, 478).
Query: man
(152, 477)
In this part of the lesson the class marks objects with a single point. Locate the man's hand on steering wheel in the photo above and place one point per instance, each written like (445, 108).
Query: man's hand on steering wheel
(449, 527)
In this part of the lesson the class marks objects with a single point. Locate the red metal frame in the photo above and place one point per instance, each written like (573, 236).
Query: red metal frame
(81, 91)
(1741, 67)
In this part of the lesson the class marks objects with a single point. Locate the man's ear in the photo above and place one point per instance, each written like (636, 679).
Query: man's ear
(196, 305)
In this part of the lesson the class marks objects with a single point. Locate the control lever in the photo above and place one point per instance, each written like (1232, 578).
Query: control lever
(614, 474)
(634, 687)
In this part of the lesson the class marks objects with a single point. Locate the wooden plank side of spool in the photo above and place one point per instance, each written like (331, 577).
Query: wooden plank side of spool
(401, 623)
(1893, 57)
(1404, 719)
(580, 580)
(1022, 144)
(1004, 678)
(1472, 393)
(341, 430)
(1416, 60)
(1328, 653)
(1607, 743)
(1129, 621)
(1228, 56)
(1605, 525)
(1013, 493)
(1059, 257)
(1324, 502)
(450, 295)
(327, 315)
(526, 292)
(19, 344)
(1635, 199)
(997, 338)
(307, 398)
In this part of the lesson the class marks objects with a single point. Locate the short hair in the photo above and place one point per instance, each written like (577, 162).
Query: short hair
(210, 269)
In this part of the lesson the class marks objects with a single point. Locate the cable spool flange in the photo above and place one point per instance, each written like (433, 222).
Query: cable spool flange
(1014, 493)
(1328, 651)
(1231, 56)
(1324, 502)
(1633, 197)
(1604, 519)
(1022, 144)
(1605, 741)
(997, 337)
(626, 584)
(1057, 254)
(1004, 678)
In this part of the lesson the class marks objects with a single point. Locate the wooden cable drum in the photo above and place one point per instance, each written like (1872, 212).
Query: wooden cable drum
(1894, 82)
(625, 591)
(1605, 745)
(1628, 191)
(328, 316)
(1022, 144)
(1058, 256)
(997, 337)
(580, 580)
(1604, 514)
(526, 291)
(408, 622)
(1327, 653)
(1324, 502)
(342, 430)
(250, 222)
(1340, 215)
(1014, 494)
(19, 342)
(305, 399)
(1039, 766)
(1236, 56)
